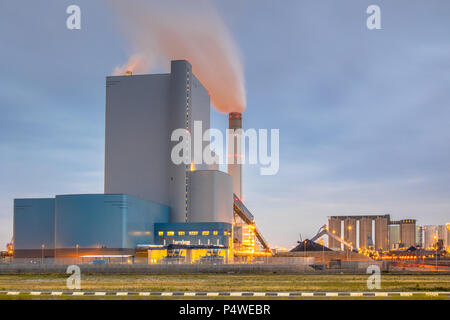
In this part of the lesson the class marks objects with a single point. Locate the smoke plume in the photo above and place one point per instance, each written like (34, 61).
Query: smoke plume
(160, 31)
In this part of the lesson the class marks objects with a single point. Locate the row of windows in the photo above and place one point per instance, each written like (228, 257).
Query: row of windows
(191, 233)
(172, 233)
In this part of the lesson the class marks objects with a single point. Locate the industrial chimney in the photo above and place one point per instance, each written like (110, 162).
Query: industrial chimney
(235, 152)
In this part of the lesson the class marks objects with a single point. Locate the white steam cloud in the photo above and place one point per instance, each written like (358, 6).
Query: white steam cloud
(160, 31)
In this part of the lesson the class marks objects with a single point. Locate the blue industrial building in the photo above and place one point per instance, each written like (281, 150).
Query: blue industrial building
(103, 224)
(34, 226)
(87, 223)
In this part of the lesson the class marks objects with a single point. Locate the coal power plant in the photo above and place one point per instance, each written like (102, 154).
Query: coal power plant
(157, 210)
(190, 213)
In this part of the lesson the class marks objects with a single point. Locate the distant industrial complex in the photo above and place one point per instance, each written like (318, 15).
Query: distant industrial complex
(180, 213)
(381, 233)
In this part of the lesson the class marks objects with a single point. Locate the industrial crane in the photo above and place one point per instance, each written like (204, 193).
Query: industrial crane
(323, 230)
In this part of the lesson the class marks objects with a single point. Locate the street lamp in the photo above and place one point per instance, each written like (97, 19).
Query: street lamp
(42, 251)
(436, 244)
(349, 248)
(304, 244)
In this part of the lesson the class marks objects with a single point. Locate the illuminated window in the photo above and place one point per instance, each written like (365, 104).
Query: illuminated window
(193, 233)
(160, 233)
(170, 233)
(181, 233)
(225, 233)
(205, 233)
(215, 232)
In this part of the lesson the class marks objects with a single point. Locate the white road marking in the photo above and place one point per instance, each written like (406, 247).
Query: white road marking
(56, 293)
(307, 294)
(167, 293)
(13, 293)
(35, 293)
(212, 294)
(283, 294)
(331, 294)
(381, 294)
(144, 293)
(356, 294)
(235, 294)
(100, 294)
(121, 293)
(189, 294)
(259, 294)
(406, 294)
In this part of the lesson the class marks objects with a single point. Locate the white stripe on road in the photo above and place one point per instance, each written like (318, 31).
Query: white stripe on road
(259, 294)
(167, 293)
(283, 294)
(381, 294)
(121, 293)
(331, 294)
(145, 294)
(212, 294)
(100, 294)
(356, 294)
(406, 294)
(35, 293)
(56, 293)
(12, 293)
(189, 294)
(235, 294)
(78, 293)
(307, 294)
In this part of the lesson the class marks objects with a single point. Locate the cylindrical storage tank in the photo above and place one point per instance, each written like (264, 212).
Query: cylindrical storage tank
(211, 196)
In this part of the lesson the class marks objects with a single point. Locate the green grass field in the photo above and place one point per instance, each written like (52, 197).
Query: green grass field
(225, 282)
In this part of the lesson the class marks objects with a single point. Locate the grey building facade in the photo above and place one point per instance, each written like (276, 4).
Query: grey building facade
(141, 113)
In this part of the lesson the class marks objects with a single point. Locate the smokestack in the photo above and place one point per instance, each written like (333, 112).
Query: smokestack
(235, 152)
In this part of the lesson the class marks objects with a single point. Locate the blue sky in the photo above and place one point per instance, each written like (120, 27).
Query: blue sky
(364, 115)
